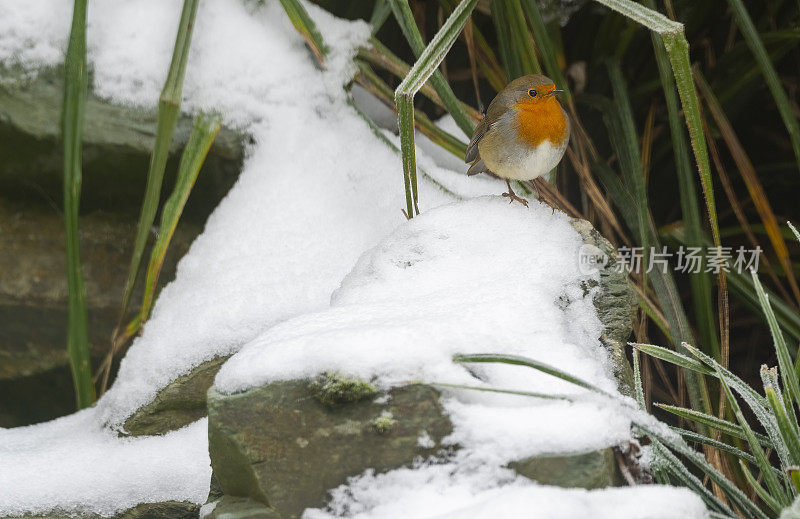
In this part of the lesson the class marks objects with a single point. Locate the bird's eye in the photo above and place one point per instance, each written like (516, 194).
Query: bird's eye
(532, 92)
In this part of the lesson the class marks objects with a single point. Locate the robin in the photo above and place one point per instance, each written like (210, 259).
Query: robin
(523, 135)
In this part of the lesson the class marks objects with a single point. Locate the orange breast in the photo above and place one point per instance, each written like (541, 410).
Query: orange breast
(538, 122)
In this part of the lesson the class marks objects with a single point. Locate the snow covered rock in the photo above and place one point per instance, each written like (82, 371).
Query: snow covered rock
(278, 444)
(117, 142)
(479, 275)
(180, 403)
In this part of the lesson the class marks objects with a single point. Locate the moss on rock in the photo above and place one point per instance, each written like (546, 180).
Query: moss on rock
(333, 389)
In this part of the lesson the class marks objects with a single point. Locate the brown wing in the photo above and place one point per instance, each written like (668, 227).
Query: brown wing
(477, 167)
(496, 108)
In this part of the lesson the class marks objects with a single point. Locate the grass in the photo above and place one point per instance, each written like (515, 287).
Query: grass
(656, 122)
(72, 115)
(203, 134)
(660, 117)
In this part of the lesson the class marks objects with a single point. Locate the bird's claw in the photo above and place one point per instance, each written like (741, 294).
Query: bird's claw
(514, 198)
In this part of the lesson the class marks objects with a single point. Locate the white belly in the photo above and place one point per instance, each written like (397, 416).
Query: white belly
(532, 163)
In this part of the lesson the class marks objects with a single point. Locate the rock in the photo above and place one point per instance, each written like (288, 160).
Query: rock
(238, 508)
(282, 447)
(34, 369)
(615, 302)
(596, 469)
(165, 510)
(182, 402)
(34, 372)
(117, 143)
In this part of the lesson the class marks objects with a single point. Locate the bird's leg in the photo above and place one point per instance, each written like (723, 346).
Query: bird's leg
(513, 196)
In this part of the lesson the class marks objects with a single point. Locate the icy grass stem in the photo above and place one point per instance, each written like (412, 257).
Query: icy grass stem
(700, 283)
(433, 55)
(425, 67)
(306, 27)
(659, 434)
(72, 117)
(203, 133)
(168, 111)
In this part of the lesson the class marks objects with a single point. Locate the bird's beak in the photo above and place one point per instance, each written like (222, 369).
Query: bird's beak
(554, 93)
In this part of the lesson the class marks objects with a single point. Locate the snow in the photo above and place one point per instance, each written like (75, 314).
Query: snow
(479, 276)
(448, 490)
(475, 276)
(75, 465)
(271, 269)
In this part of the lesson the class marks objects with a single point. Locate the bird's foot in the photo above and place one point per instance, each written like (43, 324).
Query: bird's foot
(514, 198)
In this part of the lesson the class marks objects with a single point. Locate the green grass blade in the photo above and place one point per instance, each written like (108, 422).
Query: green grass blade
(72, 117)
(544, 396)
(368, 79)
(762, 493)
(787, 427)
(205, 130)
(713, 422)
(782, 102)
(425, 67)
(505, 45)
(523, 45)
(648, 426)
(619, 121)
(650, 18)
(380, 12)
(673, 357)
(429, 58)
(678, 52)
(748, 173)
(518, 360)
(377, 54)
(306, 27)
(637, 382)
(742, 287)
(794, 230)
(741, 387)
(794, 475)
(772, 482)
(676, 443)
(684, 476)
(168, 112)
(700, 438)
(405, 111)
(379, 133)
(627, 146)
(704, 308)
(785, 366)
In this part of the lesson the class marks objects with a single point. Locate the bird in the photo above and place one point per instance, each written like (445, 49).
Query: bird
(523, 135)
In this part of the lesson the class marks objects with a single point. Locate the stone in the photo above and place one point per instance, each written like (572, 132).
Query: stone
(595, 469)
(164, 510)
(34, 373)
(615, 302)
(284, 445)
(280, 446)
(180, 403)
(117, 142)
(239, 508)
(35, 379)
